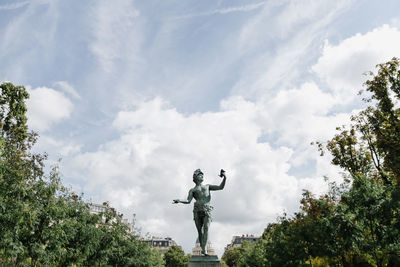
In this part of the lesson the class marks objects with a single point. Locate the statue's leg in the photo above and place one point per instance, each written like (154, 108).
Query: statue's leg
(206, 225)
(198, 221)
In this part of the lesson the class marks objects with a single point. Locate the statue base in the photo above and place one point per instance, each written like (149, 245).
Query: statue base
(204, 261)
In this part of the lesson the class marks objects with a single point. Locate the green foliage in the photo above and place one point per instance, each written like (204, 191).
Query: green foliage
(43, 223)
(245, 254)
(384, 117)
(356, 223)
(253, 255)
(232, 256)
(175, 257)
(370, 153)
(13, 114)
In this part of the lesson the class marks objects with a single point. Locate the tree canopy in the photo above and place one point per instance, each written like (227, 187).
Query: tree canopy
(356, 223)
(42, 222)
(175, 257)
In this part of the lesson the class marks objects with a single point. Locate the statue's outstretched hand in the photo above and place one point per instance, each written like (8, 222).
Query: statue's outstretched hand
(175, 201)
(222, 173)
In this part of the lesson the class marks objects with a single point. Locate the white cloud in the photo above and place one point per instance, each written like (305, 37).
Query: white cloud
(299, 116)
(57, 148)
(66, 87)
(395, 22)
(14, 5)
(240, 8)
(47, 106)
(114, 31)
(298, 25)
(33, 40)
(298, 13)
(341, 66)
(223, 11)
(27, 40)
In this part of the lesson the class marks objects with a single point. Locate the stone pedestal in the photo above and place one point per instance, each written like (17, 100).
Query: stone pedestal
(204, 261)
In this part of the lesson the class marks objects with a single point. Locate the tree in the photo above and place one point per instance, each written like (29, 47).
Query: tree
(233, 256)
(20, 171)
(253, 255)
(43, 223)
(175, 257)
(369, 151)
(357, 222)
(384, 118)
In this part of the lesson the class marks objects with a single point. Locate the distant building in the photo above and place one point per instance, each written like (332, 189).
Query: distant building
(161, 244)
(238, 240)
(98, 208)
(102, 208)
(197, 249)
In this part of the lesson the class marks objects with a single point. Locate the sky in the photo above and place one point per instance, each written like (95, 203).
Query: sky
(133, 96)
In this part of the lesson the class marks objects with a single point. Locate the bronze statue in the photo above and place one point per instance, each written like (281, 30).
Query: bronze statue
(202, 208)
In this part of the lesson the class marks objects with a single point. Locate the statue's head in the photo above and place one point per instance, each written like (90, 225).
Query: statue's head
(197, 176)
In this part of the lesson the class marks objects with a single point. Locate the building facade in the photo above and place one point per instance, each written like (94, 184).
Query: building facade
(102, 208)
(238, 240)
(161, 244)
(196, 251)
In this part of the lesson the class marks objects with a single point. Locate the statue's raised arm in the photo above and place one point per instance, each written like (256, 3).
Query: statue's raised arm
(221, 185)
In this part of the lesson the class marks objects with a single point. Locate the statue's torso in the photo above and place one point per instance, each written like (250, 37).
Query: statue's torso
(201, 194)
(202, 205)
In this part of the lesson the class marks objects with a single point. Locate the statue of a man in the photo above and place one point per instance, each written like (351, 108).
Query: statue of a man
(202, 208)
